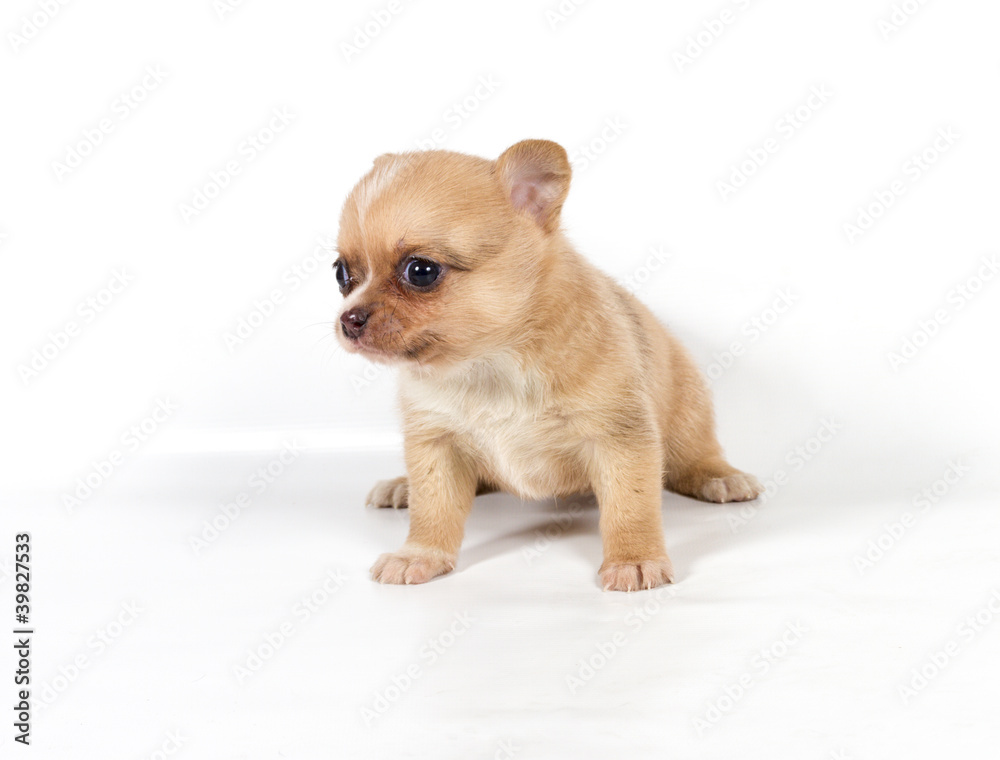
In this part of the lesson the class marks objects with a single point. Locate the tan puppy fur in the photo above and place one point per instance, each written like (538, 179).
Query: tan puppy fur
(523, 367)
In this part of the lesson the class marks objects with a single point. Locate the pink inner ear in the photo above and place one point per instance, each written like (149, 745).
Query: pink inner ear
(524, 196)
(532, 194)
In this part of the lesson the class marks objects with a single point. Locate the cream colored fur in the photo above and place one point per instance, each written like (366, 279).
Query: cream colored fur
(524, 369)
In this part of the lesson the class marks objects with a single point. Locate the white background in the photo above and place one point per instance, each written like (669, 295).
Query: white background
(693, 90)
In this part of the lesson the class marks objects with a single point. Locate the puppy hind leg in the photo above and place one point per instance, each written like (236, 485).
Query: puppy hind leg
(395, 493)
(711, 478)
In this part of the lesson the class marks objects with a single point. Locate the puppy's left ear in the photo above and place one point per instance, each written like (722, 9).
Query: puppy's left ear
(535, 175)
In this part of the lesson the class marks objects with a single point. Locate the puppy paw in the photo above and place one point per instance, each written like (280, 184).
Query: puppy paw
(636, 576)
(738, 487)
(389, 493)
(410, 566)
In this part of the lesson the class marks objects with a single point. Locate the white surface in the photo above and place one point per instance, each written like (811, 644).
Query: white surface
(720, 264)
(536, 611)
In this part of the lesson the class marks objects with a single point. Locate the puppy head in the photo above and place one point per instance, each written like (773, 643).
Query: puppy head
(440, 253)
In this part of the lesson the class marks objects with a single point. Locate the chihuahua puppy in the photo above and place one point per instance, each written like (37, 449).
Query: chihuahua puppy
(523, 368)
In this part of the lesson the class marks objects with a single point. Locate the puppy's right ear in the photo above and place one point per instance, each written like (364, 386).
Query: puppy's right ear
(535, 175)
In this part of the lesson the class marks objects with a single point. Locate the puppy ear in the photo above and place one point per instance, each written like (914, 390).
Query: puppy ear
(535, 174)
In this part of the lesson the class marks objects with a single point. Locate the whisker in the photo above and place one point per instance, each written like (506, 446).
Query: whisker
(319, 324)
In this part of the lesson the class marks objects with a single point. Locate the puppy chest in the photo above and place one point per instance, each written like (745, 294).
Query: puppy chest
(534, 455)
(522, 443)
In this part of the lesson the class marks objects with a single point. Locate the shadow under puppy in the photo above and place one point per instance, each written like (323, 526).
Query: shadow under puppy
(523, 367)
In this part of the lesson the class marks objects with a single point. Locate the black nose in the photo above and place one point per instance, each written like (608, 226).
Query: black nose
(353, 322)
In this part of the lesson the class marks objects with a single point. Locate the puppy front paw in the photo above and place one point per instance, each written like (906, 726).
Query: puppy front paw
(390, 493)
(410, 566)
(738, 487)
(636, 575)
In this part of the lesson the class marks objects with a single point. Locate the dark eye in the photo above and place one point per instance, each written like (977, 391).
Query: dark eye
(421, 273)
(343, 279)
